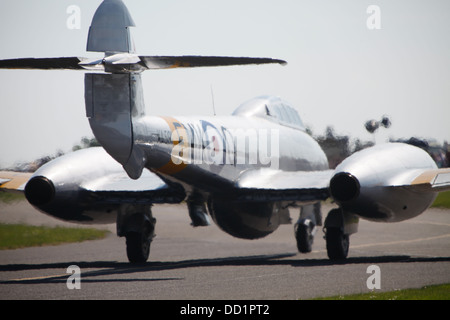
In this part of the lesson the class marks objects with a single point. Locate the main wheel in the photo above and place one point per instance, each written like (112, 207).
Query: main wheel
(304, 234)
(138, 246)
(337, 243)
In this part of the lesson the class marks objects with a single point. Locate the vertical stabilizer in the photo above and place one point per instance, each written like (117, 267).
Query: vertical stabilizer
(109, 31)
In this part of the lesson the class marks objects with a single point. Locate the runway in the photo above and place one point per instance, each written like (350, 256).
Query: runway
(204, 263)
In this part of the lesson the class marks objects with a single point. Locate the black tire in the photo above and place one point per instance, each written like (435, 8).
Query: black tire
(337, 243)
(304, 237)
(138, 247)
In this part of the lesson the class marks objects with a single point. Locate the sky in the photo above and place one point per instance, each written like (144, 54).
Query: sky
(346, 64)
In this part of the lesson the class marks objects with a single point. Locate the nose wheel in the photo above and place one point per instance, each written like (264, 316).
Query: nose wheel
(305, 230)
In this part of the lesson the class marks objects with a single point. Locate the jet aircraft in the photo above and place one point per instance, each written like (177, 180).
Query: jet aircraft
(247, 171)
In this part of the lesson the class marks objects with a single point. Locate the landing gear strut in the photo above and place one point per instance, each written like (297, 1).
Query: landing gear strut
(197, 211)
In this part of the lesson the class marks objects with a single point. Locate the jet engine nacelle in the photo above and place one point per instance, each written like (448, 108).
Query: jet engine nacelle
(375, 183)
(59, 187)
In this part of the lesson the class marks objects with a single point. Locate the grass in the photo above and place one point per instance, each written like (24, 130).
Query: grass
(14, 236)
(435, 292)
(11, 197)
(442, 200)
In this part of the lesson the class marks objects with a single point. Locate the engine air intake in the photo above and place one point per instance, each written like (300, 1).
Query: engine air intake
(39, 191)
(344, 187)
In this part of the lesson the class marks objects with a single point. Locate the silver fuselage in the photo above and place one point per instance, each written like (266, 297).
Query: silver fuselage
(210, 153)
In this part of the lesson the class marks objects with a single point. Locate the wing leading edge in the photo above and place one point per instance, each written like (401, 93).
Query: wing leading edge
(118, 188)
(436, 180)
(277, 185)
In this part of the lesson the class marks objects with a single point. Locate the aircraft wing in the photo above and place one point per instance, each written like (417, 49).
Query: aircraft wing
(434, 180)
(118, 188)
(113, 188)
(276, 185)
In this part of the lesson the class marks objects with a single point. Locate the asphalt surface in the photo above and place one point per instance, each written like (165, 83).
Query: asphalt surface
(205, 263)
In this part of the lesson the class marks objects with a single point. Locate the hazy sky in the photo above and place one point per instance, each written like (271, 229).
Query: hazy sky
(339, 71)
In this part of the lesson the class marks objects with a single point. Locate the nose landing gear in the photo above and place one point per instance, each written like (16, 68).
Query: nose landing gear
(305, 230)
(306, 226)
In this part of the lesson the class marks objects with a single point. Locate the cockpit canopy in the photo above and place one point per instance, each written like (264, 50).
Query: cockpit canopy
(271, 108)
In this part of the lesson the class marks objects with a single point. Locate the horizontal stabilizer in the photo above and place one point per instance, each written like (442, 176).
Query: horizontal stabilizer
(168, 62)
(42, 63)
(128, 62)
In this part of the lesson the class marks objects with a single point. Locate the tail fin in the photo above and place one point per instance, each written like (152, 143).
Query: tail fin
(109, 31)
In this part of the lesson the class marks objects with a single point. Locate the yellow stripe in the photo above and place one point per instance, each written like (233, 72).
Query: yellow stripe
(368, 245)
(16, 179)
(429, 176)
(179, 64)
(41, 278)
(401, 241)
(171, 167)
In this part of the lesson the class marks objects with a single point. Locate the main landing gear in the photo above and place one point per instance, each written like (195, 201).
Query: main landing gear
(339, 225)
(337, 243)
(137, 224)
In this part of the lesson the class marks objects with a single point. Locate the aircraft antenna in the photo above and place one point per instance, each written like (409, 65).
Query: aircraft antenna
(212, 97)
